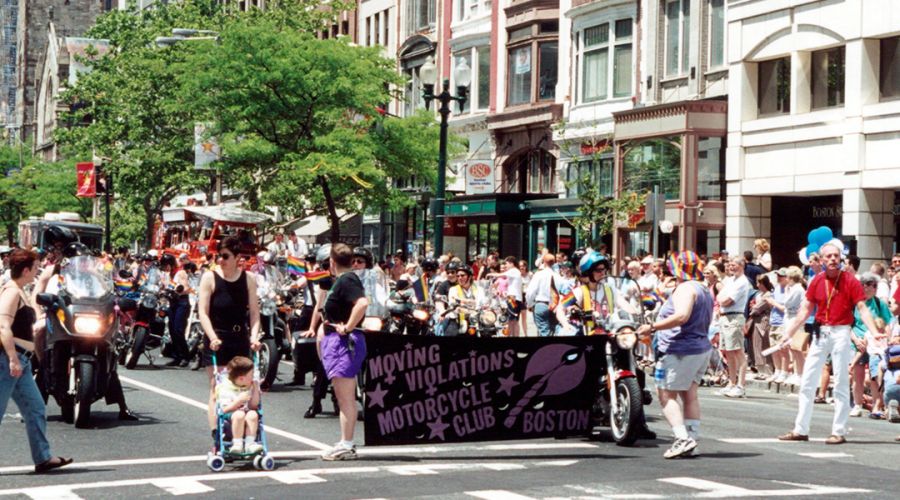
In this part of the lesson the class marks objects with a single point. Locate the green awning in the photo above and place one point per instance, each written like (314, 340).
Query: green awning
(554, 209)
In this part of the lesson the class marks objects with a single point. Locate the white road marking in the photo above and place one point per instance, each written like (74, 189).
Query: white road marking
(766, 440)
(825, 455)
(537, 446)
(634, 496)
(180, 486)
(497, 495)
(373, 452)
(183, 485)
(712, 489)
(197, 404)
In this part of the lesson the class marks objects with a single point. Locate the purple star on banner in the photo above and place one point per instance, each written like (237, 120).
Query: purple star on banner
(408, 345)
(473, 353)
(589, 348)
(506, 384)
(438, 428)
(376, 397)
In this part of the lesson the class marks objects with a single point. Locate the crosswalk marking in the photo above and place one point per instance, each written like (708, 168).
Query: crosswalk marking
(712, 489)
(179, 486)
(764, 440)
(498, 495)
(825, 455)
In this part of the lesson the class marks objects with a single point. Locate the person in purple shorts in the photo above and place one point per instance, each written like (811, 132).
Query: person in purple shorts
(341, 347)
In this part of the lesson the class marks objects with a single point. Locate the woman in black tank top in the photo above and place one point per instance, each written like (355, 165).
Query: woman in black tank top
(229, 314)
(16, 321)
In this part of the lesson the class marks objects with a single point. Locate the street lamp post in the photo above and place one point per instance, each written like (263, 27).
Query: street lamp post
(463, 77)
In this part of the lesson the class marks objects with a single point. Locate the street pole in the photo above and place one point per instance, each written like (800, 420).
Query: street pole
(655, 228)
(463, 77)
(108, 195)
(218, 186)
(442, 171)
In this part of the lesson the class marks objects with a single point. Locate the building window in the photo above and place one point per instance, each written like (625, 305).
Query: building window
(368, 32)
(530, 172)
(594, 172)
(385, 37)
(467, 9)
(598, 83)
(678, 33)
(413, 96)
(774, 87)
(532, 59)
(479, 60)
(419, 15)
(890, 68)
(828, 78)
(655, 162)
(716, 33)
(375, 30)
(711, 168)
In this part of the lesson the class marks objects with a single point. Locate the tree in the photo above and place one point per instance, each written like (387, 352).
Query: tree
(298, 117)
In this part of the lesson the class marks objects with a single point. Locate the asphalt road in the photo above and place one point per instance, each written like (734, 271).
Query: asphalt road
(163, 455)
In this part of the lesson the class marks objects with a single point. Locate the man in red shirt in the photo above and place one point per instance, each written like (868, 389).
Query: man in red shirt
(834, 293)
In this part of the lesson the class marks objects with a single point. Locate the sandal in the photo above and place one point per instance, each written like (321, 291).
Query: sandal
(820, 400)
(50, 464)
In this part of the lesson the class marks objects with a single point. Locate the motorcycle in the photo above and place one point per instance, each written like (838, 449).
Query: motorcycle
(82, 326)
(194, 331)
(150, 320)
(488, 317)
(408, 317)
(272, 326)
(620, 401)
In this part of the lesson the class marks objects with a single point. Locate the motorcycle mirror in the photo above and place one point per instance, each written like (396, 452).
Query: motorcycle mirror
(45, 299)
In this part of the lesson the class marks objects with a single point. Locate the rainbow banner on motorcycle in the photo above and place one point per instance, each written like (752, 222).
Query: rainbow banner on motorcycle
(425, 389)
(420, 288)
(296, 266)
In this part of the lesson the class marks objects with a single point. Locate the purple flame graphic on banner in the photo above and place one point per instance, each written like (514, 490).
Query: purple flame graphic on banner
(561, 368)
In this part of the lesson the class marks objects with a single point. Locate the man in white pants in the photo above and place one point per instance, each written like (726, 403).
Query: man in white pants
(834, 293)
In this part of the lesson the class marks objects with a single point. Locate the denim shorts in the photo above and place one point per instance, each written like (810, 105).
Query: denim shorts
(874, 361)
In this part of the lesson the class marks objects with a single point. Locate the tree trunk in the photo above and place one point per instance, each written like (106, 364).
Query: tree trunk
(148, 219)
(332, 210)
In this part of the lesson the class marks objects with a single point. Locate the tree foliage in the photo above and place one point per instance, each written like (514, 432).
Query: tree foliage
(298, 116)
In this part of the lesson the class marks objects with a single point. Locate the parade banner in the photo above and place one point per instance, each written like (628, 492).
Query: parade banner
(86, 182)
(425, 390)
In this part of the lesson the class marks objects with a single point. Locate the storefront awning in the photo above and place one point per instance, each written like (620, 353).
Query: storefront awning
(493, 205)
(554, 209)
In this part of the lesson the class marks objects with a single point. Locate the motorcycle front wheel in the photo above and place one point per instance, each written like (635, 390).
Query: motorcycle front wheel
(84, 395)
(268, 362)
(137, 347)
(625, 423)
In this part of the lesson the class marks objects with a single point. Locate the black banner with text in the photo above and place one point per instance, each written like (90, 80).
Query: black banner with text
(421, 390)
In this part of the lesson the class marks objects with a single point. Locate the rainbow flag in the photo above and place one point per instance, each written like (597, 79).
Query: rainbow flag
(296, 266)
(315, 276)
(420, 288)
(123, 286)
(568, 300)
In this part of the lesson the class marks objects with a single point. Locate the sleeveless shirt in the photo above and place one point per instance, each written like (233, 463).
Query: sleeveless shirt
(693, 336)
(229, 304)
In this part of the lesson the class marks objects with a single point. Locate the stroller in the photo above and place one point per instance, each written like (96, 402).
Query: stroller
(717, 372)
(220, 453)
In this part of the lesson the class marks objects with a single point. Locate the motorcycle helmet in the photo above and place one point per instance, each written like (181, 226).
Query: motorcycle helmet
(59, 237)
(452, 267)
(167, 260)
(466, 269)
(429, 265)
(365, 254)
(323, 253)
(577, 255)
(587, 263)
(76, 249)
(266, 257)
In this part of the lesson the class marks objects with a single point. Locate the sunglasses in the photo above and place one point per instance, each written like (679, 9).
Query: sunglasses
(358, 261)
(870, 284)
(224, 256)
(462, 275)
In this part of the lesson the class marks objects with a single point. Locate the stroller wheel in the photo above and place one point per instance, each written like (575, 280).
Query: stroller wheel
(257, 462)
(215, 463)
(267, 462)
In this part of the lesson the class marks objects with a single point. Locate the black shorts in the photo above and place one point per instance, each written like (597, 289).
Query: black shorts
(513, 308)
(232, 347)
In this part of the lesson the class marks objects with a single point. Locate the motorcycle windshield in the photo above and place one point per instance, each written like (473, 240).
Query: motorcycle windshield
(152, 280)
(86, 277)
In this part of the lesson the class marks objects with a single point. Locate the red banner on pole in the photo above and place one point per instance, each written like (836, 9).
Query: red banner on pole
(87, 182)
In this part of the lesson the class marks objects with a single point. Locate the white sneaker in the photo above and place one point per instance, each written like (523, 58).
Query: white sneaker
(680, 448)
(340, 453)
(893, 413)
(780, 377)
(735, 392)
(724, 391)
(856, 411)
(237, 446)
(253, 447)
(794, 379)
(751, 376)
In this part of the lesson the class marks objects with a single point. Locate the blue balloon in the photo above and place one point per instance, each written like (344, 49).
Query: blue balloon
(812, 248)
(822, 235)
(811, 237)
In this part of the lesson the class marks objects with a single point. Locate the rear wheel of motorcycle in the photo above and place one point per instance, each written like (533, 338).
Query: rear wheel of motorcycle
(85, 395)
(137, 348)
(625, 424)
(269, 357)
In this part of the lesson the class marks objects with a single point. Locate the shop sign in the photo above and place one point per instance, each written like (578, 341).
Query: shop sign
(827, 212)
(480, 177)
(455, 226)
(564, 238)
(596, 148)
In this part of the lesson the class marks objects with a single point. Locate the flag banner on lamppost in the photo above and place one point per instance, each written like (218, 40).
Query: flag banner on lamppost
(86, 180)
(422, 390)
(206, 149)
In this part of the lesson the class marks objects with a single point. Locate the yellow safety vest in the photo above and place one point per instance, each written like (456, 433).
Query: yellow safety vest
(588, 302)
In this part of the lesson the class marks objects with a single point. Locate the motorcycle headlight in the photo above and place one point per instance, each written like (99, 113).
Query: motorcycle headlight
(163, 303)
(488, 318)
(420, 315)
(372, 324)
(88, 325)
(149, 301)
(626, 340)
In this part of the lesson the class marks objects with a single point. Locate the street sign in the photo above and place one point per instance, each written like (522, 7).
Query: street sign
(479, 177)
